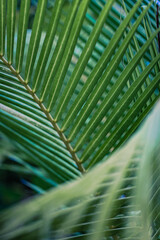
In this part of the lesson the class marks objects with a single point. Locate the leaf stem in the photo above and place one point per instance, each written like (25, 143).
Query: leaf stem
(48, 115)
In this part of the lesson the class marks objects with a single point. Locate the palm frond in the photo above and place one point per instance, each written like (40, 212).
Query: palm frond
(74, 90)
(117, 199)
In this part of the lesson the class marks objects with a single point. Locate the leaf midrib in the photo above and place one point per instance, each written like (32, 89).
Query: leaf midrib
(47, 114)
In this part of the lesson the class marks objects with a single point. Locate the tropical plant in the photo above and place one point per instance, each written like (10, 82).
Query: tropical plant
(73, 90)
(118, 199)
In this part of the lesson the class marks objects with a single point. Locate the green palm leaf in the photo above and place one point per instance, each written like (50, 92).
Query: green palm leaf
(121, 204)
(75, 89)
